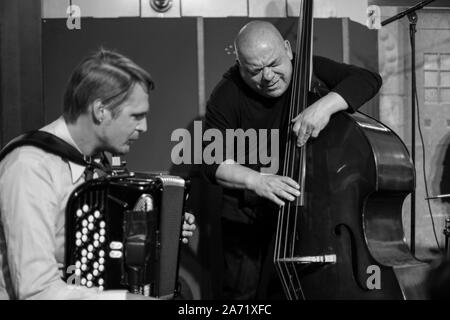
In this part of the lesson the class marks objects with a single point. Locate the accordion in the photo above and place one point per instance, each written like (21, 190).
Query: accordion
(124, 231)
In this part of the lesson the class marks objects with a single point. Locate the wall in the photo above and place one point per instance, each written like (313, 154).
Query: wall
(355, 9)
(21, 107)
(433, 113)
(170, 50)
(165, 47)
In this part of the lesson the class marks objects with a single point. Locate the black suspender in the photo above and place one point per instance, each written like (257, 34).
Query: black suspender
(52, 144)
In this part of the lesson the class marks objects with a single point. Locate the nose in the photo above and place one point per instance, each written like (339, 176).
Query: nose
(267, 74)
(142, 125)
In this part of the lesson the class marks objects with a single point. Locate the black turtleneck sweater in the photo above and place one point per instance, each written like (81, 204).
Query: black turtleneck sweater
(234, 105)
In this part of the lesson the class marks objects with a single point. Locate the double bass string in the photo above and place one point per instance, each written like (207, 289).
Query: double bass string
(283, 221)
(296, 106)
(301, 79)
(305, 48)
(285, 237)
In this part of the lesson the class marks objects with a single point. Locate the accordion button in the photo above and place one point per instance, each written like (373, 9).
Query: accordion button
(84, 238)
(83, 281)
(95, 273)
(85, 208)
(102, 239)
(84, 260)
(102, 232)
(78, 243)
(84, 252)
(96, 264)
(96, 236)
(91, 226)
(91, 218)
(78, 235)
(90, 248)
(101, 288)
(96, 243)
(84, 223)
(78, 272)
(83, 267)
(101, 281)
(102, 224)
(79, 213)
(89, 276)
(101, 253)
(97, 214)
(114, 254)
(101, 268)
(101, 260)
(116, 245)
(89, 284)
(77, 264)
(90, 255)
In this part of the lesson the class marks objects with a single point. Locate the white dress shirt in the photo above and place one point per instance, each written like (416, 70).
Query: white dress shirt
(34, 190)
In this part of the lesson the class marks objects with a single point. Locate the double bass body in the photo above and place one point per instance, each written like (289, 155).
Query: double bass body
(347, 240)
(343, 238)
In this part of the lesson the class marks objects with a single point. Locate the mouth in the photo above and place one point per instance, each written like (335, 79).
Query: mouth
(272, 85)
(131, 141)
(133, 138)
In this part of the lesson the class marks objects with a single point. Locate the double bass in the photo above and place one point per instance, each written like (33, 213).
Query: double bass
(343, 237)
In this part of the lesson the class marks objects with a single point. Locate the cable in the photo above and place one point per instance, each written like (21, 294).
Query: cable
(424, 171)
(423, 151)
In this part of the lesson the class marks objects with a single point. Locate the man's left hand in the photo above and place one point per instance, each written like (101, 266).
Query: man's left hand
(313, 119)
(188, 227)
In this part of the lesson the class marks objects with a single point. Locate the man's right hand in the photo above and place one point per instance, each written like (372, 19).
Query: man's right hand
(273, 187)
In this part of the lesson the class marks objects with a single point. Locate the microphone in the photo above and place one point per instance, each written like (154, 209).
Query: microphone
(144, 203)
(137, 243)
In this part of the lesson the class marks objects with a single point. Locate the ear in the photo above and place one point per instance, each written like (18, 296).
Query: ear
(98, 111)
(287, 47)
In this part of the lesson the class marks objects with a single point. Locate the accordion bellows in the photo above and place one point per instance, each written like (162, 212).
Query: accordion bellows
(123, 232)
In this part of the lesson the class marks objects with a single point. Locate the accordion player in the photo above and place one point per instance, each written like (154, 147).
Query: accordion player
(123, 231)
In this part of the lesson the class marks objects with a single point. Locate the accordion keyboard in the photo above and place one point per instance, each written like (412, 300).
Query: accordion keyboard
(125, 233)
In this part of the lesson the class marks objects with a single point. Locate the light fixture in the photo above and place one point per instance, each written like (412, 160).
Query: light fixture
(161, 5)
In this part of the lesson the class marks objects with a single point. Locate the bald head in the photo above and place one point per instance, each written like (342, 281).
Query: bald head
(264, 58)
(256, 37)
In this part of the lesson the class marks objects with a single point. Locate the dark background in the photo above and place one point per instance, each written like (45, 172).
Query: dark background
(167, 48)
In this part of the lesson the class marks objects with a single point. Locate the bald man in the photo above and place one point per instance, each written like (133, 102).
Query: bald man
(255, 94)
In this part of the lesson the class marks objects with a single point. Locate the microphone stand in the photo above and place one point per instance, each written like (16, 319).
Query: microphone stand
(446, 227)
(412, 17)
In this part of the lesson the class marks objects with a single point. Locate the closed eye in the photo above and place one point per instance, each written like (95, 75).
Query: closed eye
(254, 72)
(139, 116)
